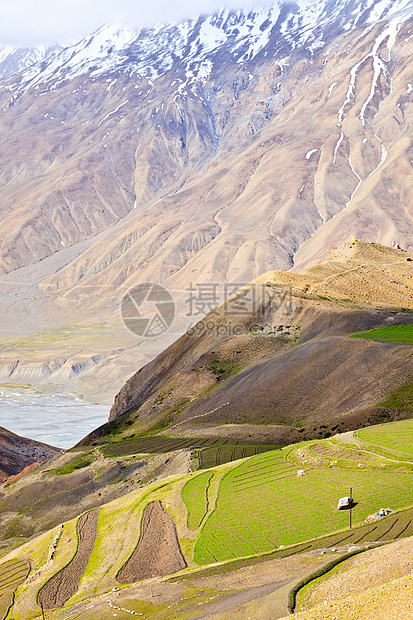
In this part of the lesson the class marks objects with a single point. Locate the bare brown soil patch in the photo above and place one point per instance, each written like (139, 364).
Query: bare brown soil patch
(65, 583)
(24, 472)
(158, 552)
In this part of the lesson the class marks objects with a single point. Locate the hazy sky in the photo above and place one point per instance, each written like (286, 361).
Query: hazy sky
(29, 22)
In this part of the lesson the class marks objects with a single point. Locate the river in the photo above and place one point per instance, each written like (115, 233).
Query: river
(59, 420)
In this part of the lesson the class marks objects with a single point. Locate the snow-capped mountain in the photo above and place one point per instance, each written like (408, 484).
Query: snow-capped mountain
(16, 59)
(200, 42)
(219, 147)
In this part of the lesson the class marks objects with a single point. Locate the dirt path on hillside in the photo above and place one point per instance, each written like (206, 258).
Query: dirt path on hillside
(333, 453)
(65, 583)
(239, 598)
(347, 271)
(158, 552)
(349, 437)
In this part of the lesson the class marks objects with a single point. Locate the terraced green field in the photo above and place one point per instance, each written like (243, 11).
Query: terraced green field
(213, 452)
(243, 513)
(195, 496)
(213, 456)
(396, 436)
(263, 504)
(12, 574)
(393, 527)
(402, 334)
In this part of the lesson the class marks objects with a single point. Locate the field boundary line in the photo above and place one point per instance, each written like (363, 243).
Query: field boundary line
(251, 477)
(387, 531)
(212, 498)
(356, 542)
(223, 545)
(244, 488)
(252, 471)
(403, 530)
(208, 485)
(323, 570)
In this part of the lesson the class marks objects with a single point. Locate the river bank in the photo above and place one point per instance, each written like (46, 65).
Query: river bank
(60, 420)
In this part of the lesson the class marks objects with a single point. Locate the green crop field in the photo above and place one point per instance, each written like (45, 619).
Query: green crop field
(12, 574)
(195, 496)
(393, 527)
(396, 436)
(402, 334)
(213, 456)
(263, 504)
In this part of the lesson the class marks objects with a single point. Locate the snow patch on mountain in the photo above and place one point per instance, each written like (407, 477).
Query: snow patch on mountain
(102, 47)
(389, 33)
(210, 37)
(16, 59)
(308, 156)
(196, 46)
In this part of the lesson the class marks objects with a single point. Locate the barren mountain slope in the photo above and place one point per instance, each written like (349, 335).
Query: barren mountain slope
(287, 363)
(269, 135)
(210, 151)
(17, 453)
(317, 171)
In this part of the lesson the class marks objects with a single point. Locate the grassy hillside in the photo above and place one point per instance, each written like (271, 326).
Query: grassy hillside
(258, 509)
(396, 439)
(262, 504)
(402, 334)
(281, 394)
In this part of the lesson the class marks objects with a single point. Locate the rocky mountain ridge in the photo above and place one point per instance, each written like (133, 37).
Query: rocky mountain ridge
(18, 453)
(14, 59)
(209, 151)
(203, 70)
(287, 363)
(152, 52)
